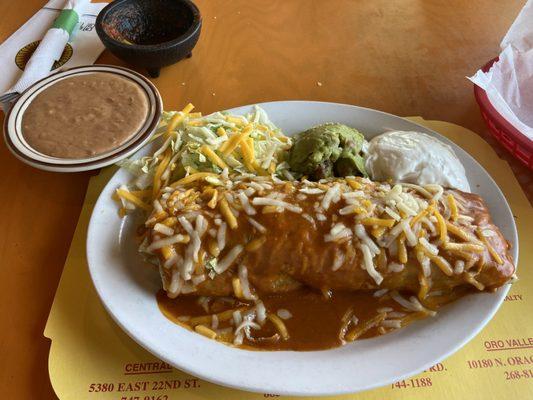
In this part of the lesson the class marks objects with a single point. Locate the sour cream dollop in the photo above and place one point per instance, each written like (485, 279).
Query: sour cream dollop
(414, 157)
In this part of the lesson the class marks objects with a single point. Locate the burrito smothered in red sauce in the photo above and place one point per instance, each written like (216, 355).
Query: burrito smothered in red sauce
(262, 263)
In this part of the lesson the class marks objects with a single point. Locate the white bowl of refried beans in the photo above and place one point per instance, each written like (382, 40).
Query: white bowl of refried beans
(83, 118)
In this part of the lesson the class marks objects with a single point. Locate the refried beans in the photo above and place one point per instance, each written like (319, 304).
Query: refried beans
(85, 115)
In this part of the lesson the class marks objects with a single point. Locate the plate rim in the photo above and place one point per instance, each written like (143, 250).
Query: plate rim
(501, 293)
(129, 147)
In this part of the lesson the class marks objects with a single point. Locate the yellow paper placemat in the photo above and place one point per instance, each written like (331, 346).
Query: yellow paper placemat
(91, 358)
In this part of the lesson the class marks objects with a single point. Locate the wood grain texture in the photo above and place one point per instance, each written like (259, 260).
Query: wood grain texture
(406, 57)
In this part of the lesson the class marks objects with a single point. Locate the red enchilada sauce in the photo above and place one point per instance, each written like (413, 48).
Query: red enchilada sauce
(315, 322)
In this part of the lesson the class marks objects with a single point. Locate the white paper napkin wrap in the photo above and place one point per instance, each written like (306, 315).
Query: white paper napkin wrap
(40, 65)
(509, 83)
(86, 45)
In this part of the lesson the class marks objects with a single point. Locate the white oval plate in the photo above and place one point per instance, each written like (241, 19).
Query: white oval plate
(127, 288)
(17, 144)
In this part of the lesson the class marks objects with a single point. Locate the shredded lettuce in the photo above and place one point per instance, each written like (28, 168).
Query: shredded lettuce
(187, 152)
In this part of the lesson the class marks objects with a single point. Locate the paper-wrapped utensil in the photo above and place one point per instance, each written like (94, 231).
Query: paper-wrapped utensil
(49, 50)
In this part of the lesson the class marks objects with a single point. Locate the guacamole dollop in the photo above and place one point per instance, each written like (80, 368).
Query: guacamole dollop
(328, 150)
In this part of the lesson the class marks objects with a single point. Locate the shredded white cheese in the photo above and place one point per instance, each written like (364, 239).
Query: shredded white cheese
(360, 232)
(226, 262)
(245, 283)
(396, 267)
(266, 201)
(260, 311)
(380, 293)
(214, 321)
(428, 246)
(338, 232)
(321, 217)
(393, 214)
(338, 260)
(409, 234)
(248, 209)
(284, 314)
(391, 323)
(459, 267)
(332, 196)
(257, 225)
(158, 244)
(221, 236)
(307, 190)
(369, 264)
(424, 262)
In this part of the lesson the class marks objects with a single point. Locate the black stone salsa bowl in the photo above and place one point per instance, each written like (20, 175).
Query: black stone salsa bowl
(150, 33)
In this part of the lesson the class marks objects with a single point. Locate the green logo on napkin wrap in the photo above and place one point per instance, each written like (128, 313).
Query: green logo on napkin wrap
(66, 20)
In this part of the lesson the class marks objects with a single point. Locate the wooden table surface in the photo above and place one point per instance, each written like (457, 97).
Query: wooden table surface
(406, 57)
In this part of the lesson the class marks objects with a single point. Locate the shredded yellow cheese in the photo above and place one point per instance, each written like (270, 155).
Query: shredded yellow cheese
(271, 209)
(133, 199)
(378, 232)
(255, 244)
(235, 120)
(420, 215)
(470, 279)
(365, 326)
(159, 172)
(212, 247)
(453, 207)
(353, 184)
(247, 154)
(187, 109)
(205, 331)
(206, 150)
(441, 263)
(367, 203)
(466, 236)
(161, 215)
(443, 232)
(237, 288)
(226, 212)
(214, 200)
(402, 250)
(260, 170)
(280, 326)
(413, 317)
(191, 178)
(170, 221)
(231, 144)
(389, 223)
(167, 252)
(196, 123)
(206, 192)
(177, 118)
(491, 250)
(468, 247)
(250, 143)
(141, 193)
(221, 131)
(222, 316)
(424, 286)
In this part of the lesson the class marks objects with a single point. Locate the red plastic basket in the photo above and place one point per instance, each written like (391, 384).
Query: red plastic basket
(518, 144)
